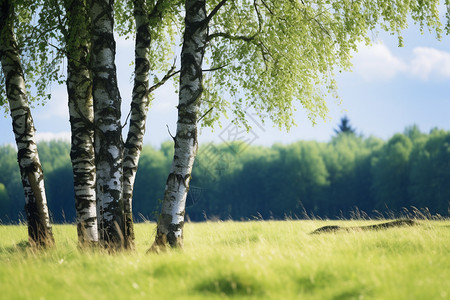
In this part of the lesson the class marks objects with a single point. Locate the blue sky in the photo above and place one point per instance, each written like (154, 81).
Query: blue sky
(389, 89)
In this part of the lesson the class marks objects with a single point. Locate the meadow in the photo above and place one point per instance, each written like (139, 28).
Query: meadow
(238, 260)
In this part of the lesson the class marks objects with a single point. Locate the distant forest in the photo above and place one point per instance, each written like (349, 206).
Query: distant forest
(350, 176)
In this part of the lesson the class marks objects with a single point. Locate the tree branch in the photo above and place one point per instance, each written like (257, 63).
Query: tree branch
(267, 7)
(214, 11)
(322, 27)
(204, 115)
(215, 69)
(60, 21)
(168, 130)
(166, 77)
(259, 16)
(156, 12)
(231, 37)
(126, 120)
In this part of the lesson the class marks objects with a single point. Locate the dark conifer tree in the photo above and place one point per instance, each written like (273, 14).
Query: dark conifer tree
(345, 127)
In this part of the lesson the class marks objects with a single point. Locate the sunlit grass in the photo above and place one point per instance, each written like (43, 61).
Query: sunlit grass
(259, 260)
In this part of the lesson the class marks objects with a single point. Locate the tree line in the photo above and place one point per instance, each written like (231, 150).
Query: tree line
(348, 176)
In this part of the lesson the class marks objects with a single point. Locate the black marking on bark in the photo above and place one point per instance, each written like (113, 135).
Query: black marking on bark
(107, 115)
(174, 241)
(188, 108)
(39, 229)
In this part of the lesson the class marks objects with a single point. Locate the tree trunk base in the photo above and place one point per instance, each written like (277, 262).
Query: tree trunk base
(40, 235)
(43, 243)
(159, 245)
(162, 243)
(129, 232)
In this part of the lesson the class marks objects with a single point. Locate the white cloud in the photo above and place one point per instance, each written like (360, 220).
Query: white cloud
(48, 136)
(430, 61)
(376, 62)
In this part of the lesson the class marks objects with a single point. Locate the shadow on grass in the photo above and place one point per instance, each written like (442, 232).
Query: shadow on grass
(308, 284)
(233, 284)
(20, 247)
(341, 288)
(350, 293)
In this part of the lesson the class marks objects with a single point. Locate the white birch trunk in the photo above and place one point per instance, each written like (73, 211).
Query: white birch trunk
(171, 220)
(79, 87)
(108, 138)
(138, 114)
(39, 228)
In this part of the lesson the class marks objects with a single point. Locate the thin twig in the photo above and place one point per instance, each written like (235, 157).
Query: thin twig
(266, 6)
(231, 37)
(126, 120)
(215, 69)
(168, 130)
(204, 115)
(170, 73)
(259, 16)
(59, 49)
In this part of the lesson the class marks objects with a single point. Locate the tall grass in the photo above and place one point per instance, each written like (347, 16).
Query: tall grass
(239, 260)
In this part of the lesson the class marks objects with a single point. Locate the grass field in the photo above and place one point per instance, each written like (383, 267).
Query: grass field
(239, 260)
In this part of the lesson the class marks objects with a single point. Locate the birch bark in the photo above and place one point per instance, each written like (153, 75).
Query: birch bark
(39, 228)
(171, 220)
(108, 143)
(138, 114)
(79, 87)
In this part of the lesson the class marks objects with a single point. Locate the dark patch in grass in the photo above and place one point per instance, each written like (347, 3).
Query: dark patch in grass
(308, 284)
(19, 247)
(386, 225)
(169, 269)
(324, 279)
(352, 293)
(231, 285)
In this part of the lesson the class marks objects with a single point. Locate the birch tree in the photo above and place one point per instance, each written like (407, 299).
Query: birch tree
(73, 22)
(149, 17)
(90, 54)
(61, 30)
(138, 113)
(116, 162)
(272, 56)
(39, 228)
(76, 29)
(171, 220)
(81, 111)
(108, 136)
(50, 31)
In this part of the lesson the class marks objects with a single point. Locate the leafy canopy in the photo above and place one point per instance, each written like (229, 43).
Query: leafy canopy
(273, 54)
(35, 26)
(268, 54)
(43, 37)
